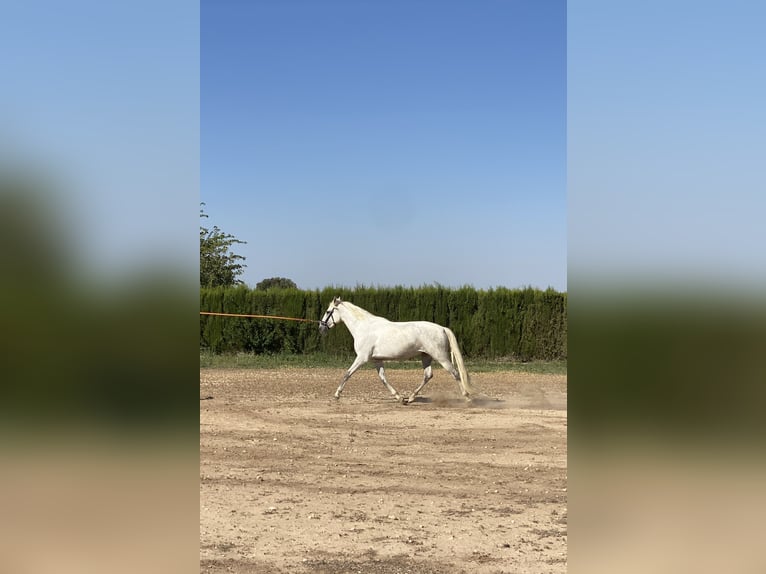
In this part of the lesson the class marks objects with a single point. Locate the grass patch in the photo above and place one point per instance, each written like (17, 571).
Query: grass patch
(536, 367)
(208, 360)
(271, 361)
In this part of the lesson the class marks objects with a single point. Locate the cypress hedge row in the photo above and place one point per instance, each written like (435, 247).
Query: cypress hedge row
(522, 324)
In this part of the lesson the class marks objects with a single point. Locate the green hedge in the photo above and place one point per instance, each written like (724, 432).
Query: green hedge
(523, 324)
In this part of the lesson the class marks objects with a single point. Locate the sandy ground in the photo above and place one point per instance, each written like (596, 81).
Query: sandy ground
(293, 481)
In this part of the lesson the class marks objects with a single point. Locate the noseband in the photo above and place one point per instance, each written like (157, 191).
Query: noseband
(329, 316)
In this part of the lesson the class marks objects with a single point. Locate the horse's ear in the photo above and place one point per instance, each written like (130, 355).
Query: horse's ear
(336, 300)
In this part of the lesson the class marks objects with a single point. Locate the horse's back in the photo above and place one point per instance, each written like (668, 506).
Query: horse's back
(406, 339)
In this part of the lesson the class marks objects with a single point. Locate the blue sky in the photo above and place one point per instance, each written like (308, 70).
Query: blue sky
(388, 143)
(344, 152)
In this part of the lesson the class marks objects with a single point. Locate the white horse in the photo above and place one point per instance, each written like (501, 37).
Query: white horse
(379, 339)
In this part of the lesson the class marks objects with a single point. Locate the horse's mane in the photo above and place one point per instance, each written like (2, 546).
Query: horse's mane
(358, 312)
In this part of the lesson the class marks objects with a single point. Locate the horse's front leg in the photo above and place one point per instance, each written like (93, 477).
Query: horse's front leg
(382, 375)
(358, 362)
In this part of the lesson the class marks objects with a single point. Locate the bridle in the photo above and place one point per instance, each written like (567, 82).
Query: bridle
(324, 323)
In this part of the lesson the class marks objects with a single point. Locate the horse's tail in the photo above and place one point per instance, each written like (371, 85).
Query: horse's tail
(457, 360)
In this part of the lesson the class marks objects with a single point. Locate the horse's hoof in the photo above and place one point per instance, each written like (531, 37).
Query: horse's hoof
(336, 397)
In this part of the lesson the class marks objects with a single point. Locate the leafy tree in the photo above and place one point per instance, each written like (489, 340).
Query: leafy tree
(218, 264)
(276, 282)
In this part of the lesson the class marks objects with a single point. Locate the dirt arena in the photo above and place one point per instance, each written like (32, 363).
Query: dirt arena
(293, 481)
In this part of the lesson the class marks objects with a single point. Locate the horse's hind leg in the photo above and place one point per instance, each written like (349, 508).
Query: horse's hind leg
(358, 362)
(450, 368)
(427, 376)
(382, 375)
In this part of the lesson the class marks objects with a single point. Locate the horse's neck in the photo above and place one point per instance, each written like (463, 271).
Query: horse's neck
(354, 317)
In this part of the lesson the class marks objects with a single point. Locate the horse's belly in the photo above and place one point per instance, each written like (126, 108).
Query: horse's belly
(388, 350)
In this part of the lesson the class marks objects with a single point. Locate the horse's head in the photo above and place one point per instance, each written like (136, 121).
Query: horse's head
(329, 320)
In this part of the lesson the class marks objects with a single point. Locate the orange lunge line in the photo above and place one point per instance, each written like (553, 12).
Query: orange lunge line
(257, 316)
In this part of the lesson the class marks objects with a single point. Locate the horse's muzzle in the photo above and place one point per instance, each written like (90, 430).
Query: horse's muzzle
(323, 328)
